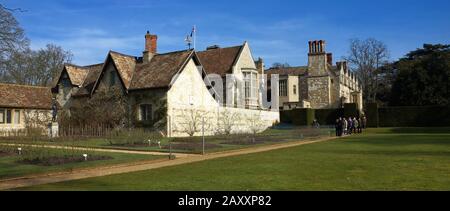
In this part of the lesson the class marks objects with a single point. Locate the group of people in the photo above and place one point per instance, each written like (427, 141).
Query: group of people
(351, 125)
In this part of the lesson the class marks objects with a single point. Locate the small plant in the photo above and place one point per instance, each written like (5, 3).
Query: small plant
(135, 138)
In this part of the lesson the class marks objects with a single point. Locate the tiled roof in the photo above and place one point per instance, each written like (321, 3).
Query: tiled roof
(298, 71)
(76, 74)
(29, 97)
(160, 71)
(220, 60)
(89, 82)
(125, 65)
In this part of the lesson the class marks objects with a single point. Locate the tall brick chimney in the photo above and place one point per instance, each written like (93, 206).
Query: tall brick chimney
(151, 46)
(316, 46)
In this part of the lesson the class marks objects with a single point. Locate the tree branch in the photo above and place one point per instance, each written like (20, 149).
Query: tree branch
(13, 9)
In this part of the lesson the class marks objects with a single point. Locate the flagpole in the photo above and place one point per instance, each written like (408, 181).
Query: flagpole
(195, 35)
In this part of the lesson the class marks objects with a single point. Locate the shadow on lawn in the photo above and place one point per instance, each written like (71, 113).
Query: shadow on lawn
(392, 153)
(430, 130)
(398, 141)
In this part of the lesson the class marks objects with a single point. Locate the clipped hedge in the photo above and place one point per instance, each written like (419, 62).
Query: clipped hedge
(372, 115)
(351, 110)
(301, 117)
(328, 116)
(414, 116)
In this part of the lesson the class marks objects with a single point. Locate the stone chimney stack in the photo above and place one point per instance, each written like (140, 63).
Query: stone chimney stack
(318, 59)
(151, 46)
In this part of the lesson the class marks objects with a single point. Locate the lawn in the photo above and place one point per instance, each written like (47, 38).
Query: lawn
(11, 167)
(381, 159)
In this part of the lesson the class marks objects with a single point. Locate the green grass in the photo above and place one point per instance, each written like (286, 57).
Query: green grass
(10, 168)
(378, 160)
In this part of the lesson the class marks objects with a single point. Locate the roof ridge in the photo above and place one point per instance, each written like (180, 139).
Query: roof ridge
(74, 65)
(172, 52)
(122, 54)
(220, 48)
(280, 68)
(92, 65)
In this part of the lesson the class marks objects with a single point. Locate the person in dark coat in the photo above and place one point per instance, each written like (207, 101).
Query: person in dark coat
(360, 126)
(364, 121)
(337, 127)
(341, 126)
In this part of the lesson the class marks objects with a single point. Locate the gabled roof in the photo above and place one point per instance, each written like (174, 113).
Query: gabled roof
(77, 74)
(293, 71)
(91, 78)
(161, 69)
(220, 60)
(125, 65)
(27, 97)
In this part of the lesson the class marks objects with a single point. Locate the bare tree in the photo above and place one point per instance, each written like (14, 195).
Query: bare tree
(256, 125)
(18, 63)
(12, 37)
(227, 121)
(191, 121)
(365, 58)
(280, 65)
(36, 67)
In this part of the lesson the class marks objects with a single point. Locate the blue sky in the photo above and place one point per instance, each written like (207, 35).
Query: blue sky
(277, 31)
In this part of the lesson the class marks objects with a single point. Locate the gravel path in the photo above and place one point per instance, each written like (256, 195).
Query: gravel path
(141, 166)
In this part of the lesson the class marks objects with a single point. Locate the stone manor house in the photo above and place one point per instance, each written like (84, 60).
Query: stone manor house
(171, 89)
(320, 84)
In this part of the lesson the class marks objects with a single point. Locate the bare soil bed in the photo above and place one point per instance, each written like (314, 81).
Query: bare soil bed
(55, 161)
(6, 154)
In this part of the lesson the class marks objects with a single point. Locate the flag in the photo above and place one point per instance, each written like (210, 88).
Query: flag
(188, 39)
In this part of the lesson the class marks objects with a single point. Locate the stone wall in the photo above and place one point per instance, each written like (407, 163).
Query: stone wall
(182, 122)
(319, 92)
(317, 64)
(104, 83)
